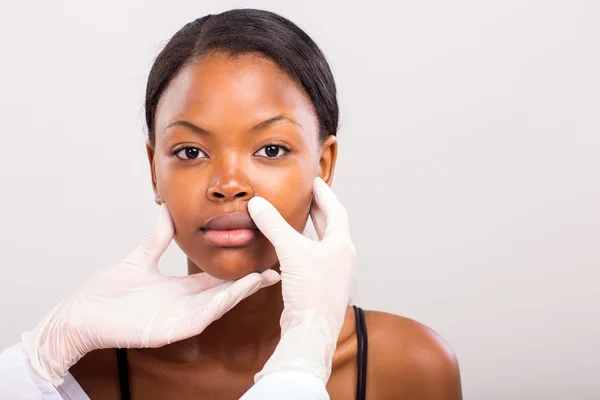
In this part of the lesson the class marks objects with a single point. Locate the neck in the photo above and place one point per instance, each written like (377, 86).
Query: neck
(244, 337)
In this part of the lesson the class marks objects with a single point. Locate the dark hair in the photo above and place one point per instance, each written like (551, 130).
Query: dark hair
(248, 31)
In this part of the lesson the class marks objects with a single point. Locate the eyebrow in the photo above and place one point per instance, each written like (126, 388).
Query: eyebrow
(261, 125)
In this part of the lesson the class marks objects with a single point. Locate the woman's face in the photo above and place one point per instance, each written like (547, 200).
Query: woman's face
(227, 129)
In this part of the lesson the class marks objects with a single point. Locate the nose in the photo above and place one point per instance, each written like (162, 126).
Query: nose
(228, 186)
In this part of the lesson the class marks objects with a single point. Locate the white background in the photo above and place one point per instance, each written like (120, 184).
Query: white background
(469, 164)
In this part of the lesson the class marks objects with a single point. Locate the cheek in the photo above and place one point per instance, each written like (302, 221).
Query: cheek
(183, 190)
(290, 191)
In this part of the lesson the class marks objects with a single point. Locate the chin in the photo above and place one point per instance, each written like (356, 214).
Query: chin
(235, 263)
(232, 263)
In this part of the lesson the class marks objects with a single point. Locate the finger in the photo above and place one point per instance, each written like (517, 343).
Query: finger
(310, 234)
(247, 286)
(308, 230)
(270, 277)
(213, 303)
(200, 282)
(336, 216)
(269, 221)
(319, 220)
(195, 313)
(226, 296)
(152, 248)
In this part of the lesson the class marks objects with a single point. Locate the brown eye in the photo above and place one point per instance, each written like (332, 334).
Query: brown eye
(190, 153)
(272, 151)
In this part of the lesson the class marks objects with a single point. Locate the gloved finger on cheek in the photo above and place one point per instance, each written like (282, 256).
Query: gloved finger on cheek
(160, 236)
(328, 203)
(319, 220)
(324, 196)
(268, 220)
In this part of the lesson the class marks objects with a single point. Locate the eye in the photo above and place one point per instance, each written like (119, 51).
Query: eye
(189, 153)
(272, 151)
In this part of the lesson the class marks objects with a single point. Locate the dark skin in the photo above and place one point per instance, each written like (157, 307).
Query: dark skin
(214, 162)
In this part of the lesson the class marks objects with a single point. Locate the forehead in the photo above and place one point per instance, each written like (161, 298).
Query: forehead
(221, 91)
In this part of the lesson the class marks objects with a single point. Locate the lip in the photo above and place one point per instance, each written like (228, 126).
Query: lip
(230, 221)
(229, 230)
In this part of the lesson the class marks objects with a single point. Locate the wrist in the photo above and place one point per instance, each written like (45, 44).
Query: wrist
(49, 347)
(308, 342)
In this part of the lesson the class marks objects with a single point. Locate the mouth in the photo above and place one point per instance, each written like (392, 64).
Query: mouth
(229, 230)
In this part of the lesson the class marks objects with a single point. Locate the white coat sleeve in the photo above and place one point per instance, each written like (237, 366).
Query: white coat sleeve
(19, 381)
(288, 385)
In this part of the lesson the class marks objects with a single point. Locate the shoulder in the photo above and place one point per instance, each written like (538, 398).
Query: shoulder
(408, 359)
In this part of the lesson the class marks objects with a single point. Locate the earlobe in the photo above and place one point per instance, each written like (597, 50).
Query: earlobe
(328, 158)
(150, 151)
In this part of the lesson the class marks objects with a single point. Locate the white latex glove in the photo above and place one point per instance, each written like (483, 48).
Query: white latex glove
(131, 304)
(316, 278)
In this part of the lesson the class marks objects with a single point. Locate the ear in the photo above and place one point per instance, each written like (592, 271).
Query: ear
(329, 150)
(150, 150)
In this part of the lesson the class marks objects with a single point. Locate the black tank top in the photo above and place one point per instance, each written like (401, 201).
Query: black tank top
(361, 360)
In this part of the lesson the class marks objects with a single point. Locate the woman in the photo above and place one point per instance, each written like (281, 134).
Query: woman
(240, 105)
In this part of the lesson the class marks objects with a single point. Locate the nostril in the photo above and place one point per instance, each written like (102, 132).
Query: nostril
(221, 195)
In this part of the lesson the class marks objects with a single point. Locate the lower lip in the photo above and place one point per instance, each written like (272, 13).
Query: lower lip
(229, 238)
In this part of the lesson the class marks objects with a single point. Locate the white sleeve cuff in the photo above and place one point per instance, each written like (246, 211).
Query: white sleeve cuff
(18, 379)
(288, 385)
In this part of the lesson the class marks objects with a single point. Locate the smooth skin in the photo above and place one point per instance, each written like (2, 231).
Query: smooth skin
(227, 129)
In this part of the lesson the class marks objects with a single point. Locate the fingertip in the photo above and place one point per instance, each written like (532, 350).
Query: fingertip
(163, 212)
(269, 221)
(319, 187)
(164, 224)
(320, 182)
(256, 205)
(270, 277)
(251, 278)
(161, 234)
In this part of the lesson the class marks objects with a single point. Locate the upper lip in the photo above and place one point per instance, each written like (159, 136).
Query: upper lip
(236, 220)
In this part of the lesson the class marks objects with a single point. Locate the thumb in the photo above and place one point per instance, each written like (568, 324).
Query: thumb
(152, 248)
(269, 221)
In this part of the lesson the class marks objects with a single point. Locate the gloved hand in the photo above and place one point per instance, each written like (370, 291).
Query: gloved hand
(316, 278)
(131, 304)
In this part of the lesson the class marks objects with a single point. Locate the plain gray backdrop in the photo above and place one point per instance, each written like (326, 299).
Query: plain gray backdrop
(469, 164)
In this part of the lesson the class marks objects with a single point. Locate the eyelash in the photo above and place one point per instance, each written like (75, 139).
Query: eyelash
(281, 146)
(178, 150)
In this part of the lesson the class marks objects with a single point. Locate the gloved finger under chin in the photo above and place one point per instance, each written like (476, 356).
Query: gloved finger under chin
(201, 282)
(246, 286)
(270, 277)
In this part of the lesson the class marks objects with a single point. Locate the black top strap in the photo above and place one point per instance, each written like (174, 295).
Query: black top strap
(123, 374)
(361, 356)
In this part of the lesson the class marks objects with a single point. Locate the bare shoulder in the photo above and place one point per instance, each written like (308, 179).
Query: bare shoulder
(408, 360)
